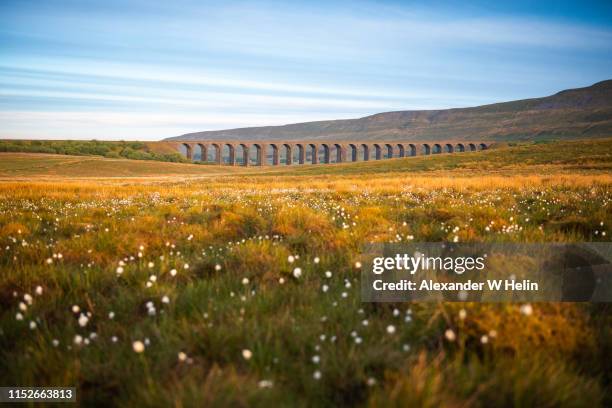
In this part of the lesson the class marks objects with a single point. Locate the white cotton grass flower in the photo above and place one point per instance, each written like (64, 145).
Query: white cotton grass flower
(76, 309)
(28, 298)
(32, 325)
(324, 288)
(390, 329)
(182, 356)
(165, 299)
(18, 316)
(78, 339)
(357, 264)
(297, 272)
(83, 320)
(217, 267)
(316, 375)
(23, 307)
(484, 339)
(290, 259)
(150, 265)
(462, 314)
(247, 354)
(526, 309)
(450, 335)
(39, 290)
(173, 272)
(186, 266)
(371, 382)
(245, 281)
(316, 359)
(119, 270)
(111, 315)
(55, 342)
(138, 346)
(328, 274)
(265, 384)
(317, 260)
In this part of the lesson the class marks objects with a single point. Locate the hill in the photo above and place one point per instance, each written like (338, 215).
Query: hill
(575, 113)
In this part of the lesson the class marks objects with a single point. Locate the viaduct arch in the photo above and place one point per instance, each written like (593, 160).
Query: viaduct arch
(276, 153)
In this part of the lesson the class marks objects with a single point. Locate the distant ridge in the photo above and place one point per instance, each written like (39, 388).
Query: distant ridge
(574, 113)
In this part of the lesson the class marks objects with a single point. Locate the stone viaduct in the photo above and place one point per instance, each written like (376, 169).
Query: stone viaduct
(261, 153)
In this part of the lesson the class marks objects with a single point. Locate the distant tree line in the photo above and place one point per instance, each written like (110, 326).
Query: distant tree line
(127, 150)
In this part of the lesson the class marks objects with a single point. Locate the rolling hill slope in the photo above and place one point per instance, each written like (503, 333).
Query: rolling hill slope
(575, 113)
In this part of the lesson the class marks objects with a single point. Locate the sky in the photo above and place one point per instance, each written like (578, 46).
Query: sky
(146, 69)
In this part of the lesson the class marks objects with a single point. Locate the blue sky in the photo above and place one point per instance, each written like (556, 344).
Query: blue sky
(145, 70)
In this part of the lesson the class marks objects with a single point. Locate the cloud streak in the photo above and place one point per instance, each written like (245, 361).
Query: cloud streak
(213, 65)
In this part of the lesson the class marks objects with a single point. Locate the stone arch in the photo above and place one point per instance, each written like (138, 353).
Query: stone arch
(214, 153)
(301, 153)
(231, 154)
(377, 151)
(448, 148)
(426, 148)
(288, 153)
(483, 146)
(242, 154)
(437, 148)
(339, 153)
(256, 154)
(413, 150)
(324, 150)
(188, 150)
(274, 153)
(401, 151)
(472, 147)
(389, 149)
(460, 147)
(201, 151)
(314, 154)
(354, 151)
(295, 154)
(366, 152)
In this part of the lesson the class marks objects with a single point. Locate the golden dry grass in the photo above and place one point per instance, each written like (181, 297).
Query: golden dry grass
(235, 241)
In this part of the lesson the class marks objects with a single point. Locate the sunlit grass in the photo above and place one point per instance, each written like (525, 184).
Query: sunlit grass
(244, 290)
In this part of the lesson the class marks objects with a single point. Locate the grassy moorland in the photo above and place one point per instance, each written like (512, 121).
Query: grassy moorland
(34, 165)
(193, 288)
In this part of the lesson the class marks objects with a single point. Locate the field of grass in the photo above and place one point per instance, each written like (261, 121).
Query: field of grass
(190, 285)
(38, 165)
